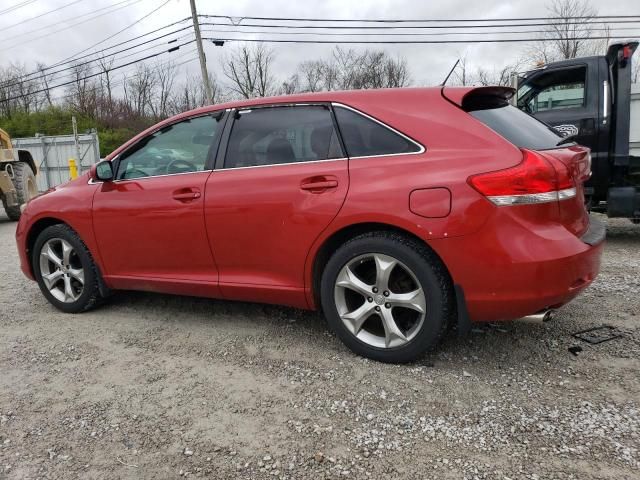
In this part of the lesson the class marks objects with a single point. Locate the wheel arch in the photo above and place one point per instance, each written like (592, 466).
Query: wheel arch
(45, 222)
(35, 230)
(26, 157)
(333, 241)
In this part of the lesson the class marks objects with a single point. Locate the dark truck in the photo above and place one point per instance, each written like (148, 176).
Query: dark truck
(590, 101)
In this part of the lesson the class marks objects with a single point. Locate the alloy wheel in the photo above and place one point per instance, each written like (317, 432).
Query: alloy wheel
(380, 300)
(61, 270)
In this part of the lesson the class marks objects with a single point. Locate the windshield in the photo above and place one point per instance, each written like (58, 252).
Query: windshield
(521, 129)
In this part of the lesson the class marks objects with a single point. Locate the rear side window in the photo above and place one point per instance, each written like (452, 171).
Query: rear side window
(277, 135)
(517, 127)
(364, 137)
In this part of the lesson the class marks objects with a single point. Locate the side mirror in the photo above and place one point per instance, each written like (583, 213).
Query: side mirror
(102, 171)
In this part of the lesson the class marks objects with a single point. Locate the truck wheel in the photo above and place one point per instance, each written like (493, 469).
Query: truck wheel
(24, 181)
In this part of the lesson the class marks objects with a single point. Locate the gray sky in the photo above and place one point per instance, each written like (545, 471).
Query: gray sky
(428, 63)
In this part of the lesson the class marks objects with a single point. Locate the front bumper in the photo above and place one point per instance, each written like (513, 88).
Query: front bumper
(21, 243)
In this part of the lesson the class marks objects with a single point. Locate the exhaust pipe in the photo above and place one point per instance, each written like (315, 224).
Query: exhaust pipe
(542, 316)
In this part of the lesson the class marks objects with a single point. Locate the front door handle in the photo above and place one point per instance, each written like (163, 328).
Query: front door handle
(186, 194)
(319, 184)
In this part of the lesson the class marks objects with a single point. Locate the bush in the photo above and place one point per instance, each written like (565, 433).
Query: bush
(57, 121)
(110, 139)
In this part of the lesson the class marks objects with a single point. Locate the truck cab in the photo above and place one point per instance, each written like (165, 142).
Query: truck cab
(588, 100)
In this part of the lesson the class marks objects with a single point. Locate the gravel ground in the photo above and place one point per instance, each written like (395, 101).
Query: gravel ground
(152, 386)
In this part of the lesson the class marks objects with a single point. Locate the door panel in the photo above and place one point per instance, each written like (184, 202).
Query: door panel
(262, 221)
(153, 227)
(149, 222)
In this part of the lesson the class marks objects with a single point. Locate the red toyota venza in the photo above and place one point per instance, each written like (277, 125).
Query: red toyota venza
(398, 212)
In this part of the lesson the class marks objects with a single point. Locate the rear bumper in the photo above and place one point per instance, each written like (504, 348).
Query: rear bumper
(511, 269)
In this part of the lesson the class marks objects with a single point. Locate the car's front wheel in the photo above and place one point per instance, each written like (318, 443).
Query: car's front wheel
(65, 270)
(387, 296)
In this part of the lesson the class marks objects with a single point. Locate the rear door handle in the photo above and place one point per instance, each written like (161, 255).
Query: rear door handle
(319, 184)
(186, 194)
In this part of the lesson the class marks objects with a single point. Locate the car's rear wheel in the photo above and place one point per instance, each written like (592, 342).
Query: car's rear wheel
(387, 296)
(65, 270)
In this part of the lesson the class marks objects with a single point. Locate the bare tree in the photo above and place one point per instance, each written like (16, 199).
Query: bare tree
(19, 89)
(460, 74)
(314, 76)
(139, 89)
(165, 79)
(349, 69)
(191, 94)
(291, 85)
(565, 37)
(187, 98)
(248, 70)
(499, 76)
(45, 78)
(82, 92)
(396, 72)
(106, 65)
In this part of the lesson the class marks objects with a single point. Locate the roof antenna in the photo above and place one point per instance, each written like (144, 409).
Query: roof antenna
(450, 72)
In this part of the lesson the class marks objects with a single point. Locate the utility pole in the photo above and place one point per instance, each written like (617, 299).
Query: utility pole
(203, 60)
(76, 139)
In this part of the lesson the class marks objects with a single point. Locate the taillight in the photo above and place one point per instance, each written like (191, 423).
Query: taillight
(536, 179)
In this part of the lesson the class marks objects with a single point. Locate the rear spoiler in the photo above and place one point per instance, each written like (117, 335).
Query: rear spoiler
(478, 98)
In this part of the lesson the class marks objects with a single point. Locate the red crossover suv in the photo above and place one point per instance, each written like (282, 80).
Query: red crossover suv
(398, 212)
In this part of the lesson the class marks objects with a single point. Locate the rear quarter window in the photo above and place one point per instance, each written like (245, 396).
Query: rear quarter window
(517, 127)
(364, 137)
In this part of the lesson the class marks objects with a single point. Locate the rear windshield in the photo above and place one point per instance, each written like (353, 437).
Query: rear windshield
(521, 129)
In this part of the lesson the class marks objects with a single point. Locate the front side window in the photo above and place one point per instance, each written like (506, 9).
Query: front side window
(178, 148)
(278, 135)
(364, 137)
(553, 90)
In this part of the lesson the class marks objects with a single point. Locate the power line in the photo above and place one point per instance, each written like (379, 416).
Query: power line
(120, 31)
(4, 29)
(19, 80)
(237, 20)
(401, 34)
(40, 71)
(104, 69)
(412, 27)
(86, 77)
(398, 42)
(118, 83)
(67, 27)
(75, 57)
(16, 6)
(45, 27)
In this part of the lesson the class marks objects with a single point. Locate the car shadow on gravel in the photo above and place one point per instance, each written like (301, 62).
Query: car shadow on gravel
(196, 308)
(622, 229)
(519, 340)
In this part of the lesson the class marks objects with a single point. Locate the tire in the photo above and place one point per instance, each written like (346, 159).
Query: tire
(75, 297)
(24, 181)
(417, 273)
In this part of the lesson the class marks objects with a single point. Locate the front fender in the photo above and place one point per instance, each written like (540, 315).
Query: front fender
(70, 204)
